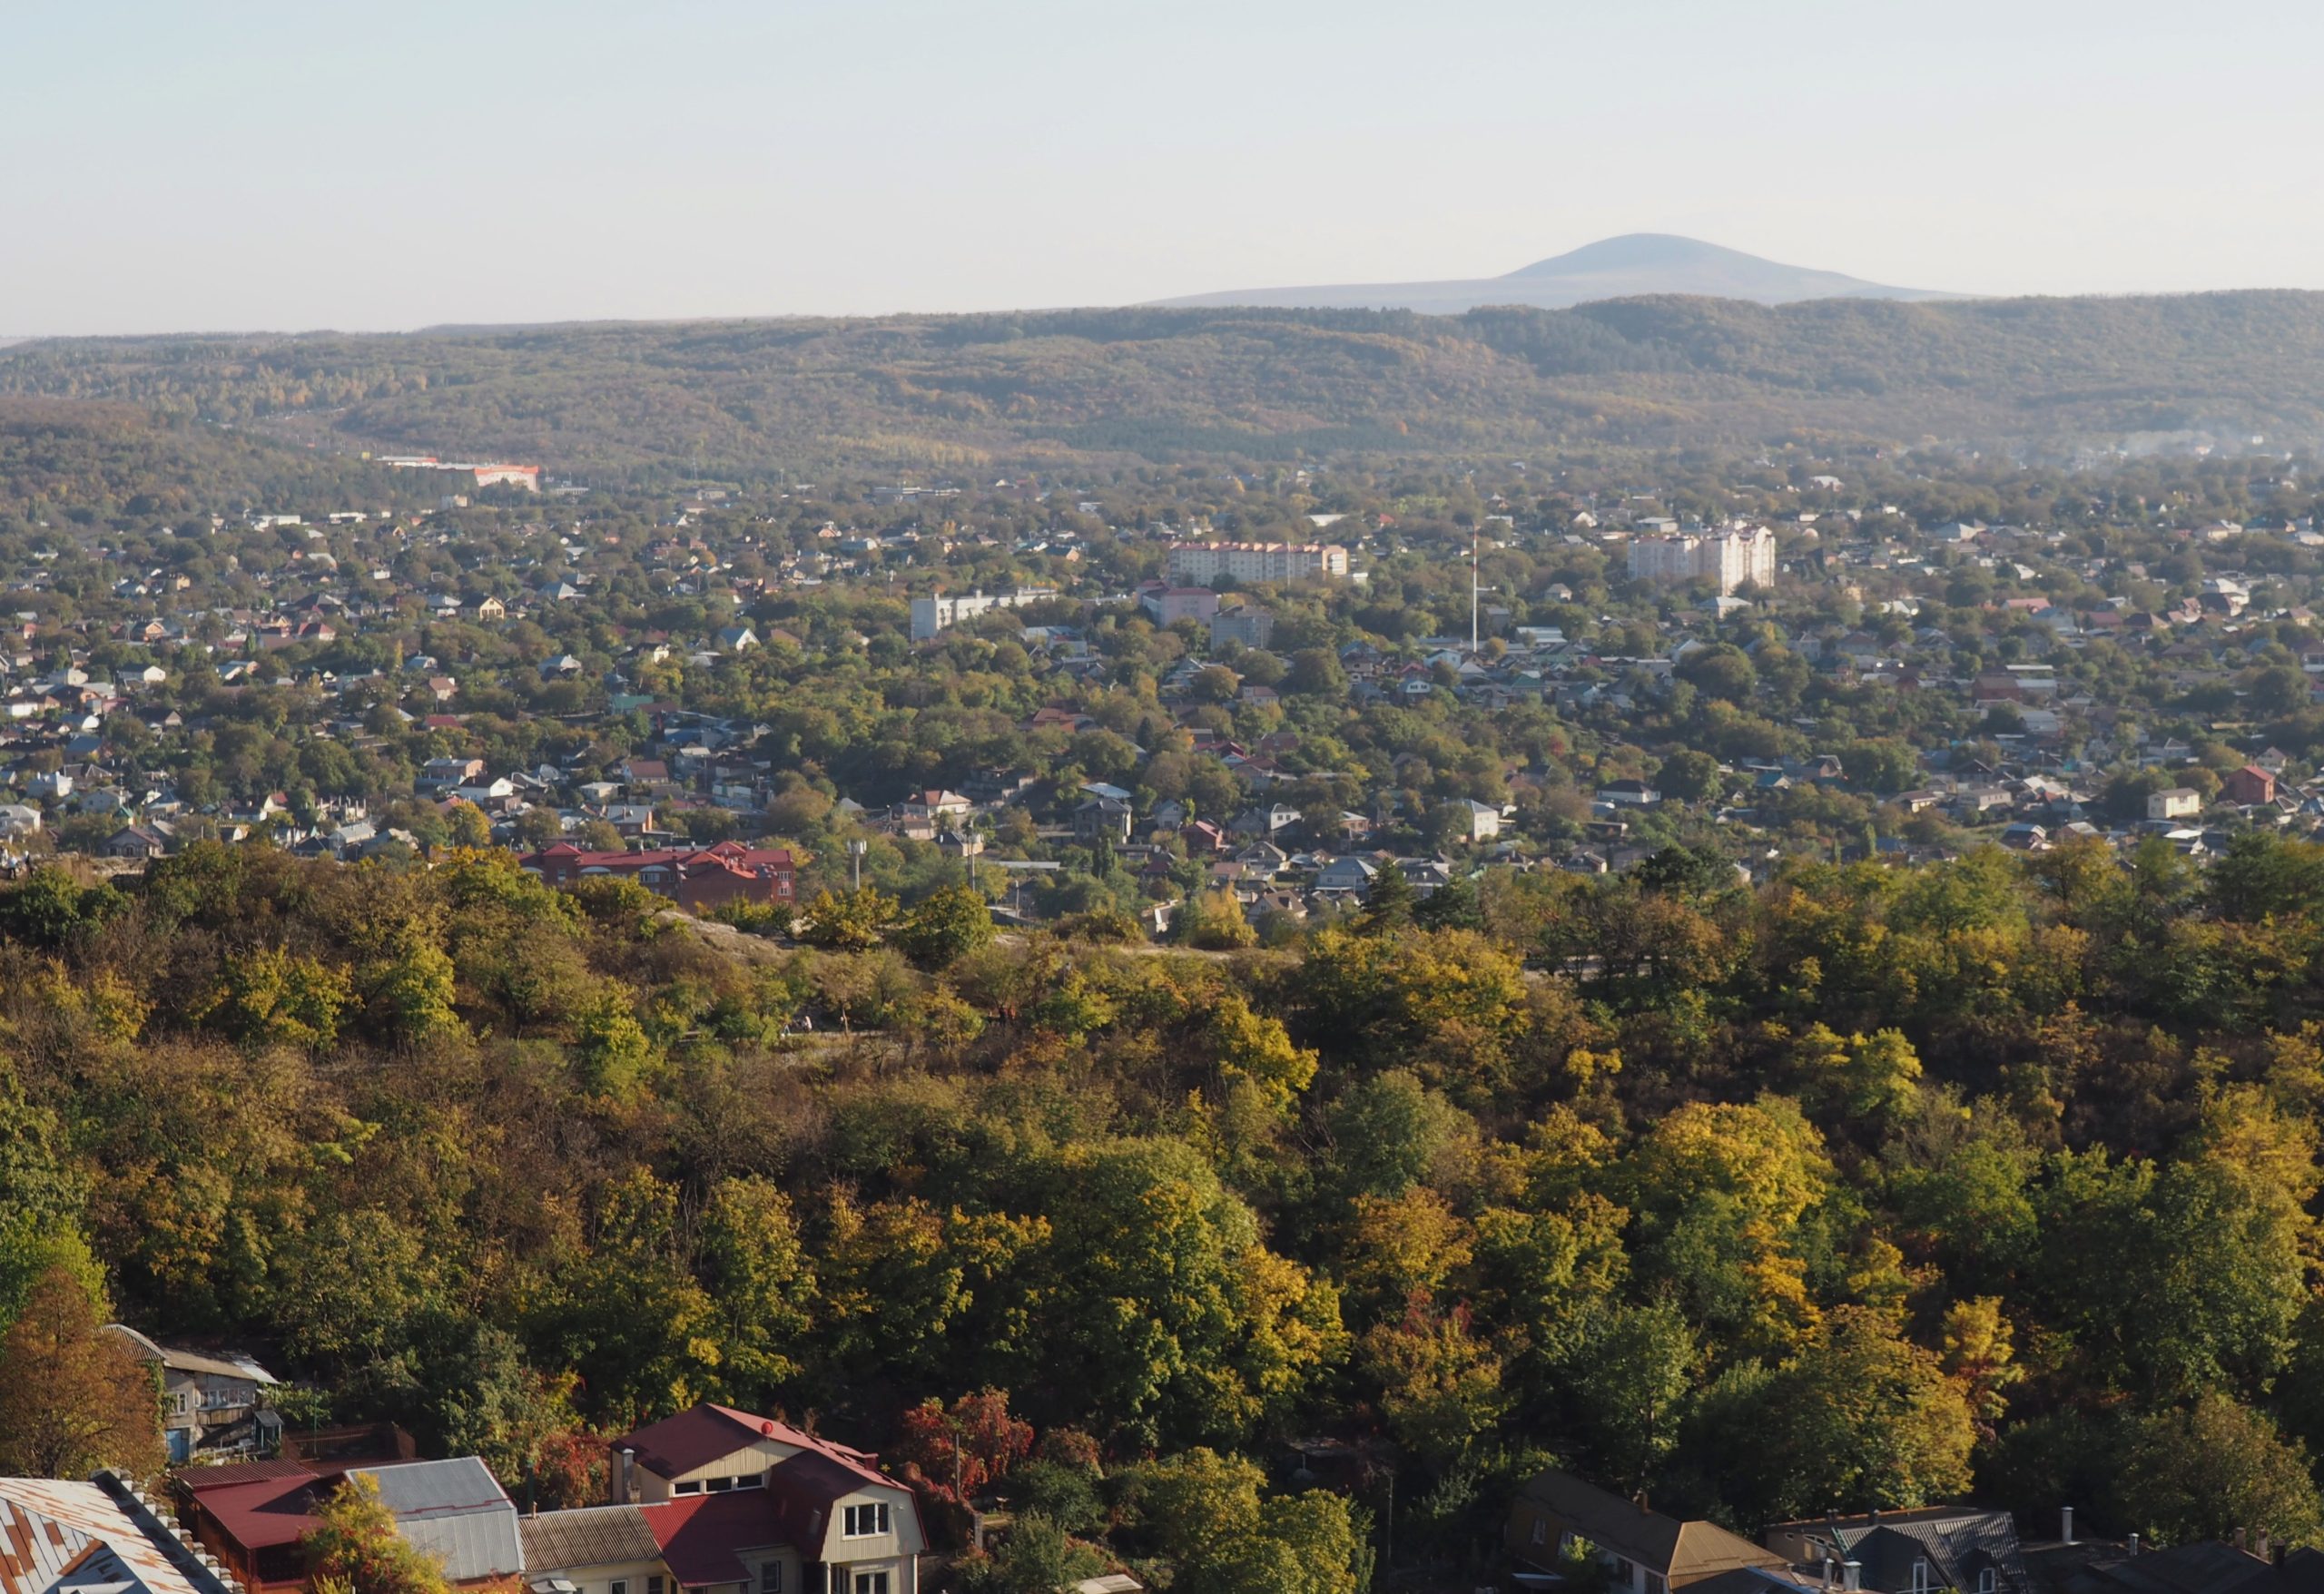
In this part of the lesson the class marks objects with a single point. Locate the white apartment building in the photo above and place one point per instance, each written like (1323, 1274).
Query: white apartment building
(1732, 556)
(932, 614)
(1200, 563)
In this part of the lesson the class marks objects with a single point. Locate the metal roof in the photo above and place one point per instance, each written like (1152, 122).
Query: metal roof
(456, 1510)
(49, 1528)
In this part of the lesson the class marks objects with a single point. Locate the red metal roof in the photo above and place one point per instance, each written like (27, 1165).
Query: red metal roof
(227, 1474)
(703, 1433)
(269, 1510)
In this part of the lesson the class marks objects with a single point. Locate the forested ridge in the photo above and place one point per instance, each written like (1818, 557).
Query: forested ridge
(758, 399)
(1859, 1188)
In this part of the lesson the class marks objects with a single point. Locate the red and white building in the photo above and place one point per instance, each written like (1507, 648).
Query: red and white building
(696, 879)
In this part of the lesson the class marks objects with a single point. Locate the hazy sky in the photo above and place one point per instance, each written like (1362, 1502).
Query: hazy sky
(168, 166)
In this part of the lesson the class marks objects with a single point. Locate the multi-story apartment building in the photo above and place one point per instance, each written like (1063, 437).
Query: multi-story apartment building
(1200, 563)
(1249, 624)
(1733, 556)
(931, 616)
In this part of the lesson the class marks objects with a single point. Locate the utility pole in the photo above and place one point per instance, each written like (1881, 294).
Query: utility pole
(856, 851)
(1472, 595)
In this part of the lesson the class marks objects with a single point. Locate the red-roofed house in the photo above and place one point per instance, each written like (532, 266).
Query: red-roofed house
(696, 879)
(746, 1505)
(2250, 785)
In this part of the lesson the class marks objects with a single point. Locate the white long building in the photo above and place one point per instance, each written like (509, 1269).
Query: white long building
(1733, 555)
(1200, 563)
(932, 614)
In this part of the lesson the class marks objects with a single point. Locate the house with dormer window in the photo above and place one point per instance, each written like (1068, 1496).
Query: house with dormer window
(732, 1503)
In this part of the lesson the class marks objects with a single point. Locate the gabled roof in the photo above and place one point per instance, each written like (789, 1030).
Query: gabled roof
(703, 1433)
(1682, 1553)
(1956, 1543)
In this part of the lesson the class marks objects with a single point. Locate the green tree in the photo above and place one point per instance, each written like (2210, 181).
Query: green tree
(1862, 1417)
(1442, 1388)
(761, 1285)
(946, 926)
(1175, 1319)
(1631, 1377)
(411, 989)
(1203, 1513)
(853, 921)
(466, 825)
(2215, 1469)
(1037, 1558)
(486, 1400)
(611, 1053)
(1688, 775)
(1391, 902)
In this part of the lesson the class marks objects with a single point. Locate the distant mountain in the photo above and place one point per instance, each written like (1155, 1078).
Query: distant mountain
(1636, 264)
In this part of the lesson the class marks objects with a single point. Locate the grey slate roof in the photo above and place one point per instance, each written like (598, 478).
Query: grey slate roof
(1956, 1543)
(595, 1536)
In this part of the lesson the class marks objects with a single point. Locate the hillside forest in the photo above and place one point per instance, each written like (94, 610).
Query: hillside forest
(758, 401)
(1859, 1188)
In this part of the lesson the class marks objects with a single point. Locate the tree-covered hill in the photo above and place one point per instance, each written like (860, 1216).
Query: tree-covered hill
(758, 399)
(65, 460)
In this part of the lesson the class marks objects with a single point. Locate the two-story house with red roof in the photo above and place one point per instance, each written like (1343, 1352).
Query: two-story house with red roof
(731, 1503)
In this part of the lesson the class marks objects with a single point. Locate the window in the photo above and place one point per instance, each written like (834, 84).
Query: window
(718, 1485)
(621, 1586)
(1540, 1530)
(1654, 1584)
(693, 1487)
(1920, 1577)
(1986, 1580)
(654, 1584)
(872, 1582)
(749, 1480)
(861, 1522)
(770, 1577)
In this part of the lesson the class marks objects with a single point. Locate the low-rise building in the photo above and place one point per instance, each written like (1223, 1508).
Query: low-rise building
(1642, 1552)
(210, 1405)
(696, 879)
(741, 1504)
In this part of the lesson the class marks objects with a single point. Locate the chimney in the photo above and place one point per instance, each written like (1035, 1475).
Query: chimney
(2242, 1536)
(2066, 1524)
(1852, 1576)
(622, 1495)
(2134, 1544)
(2262, 1550)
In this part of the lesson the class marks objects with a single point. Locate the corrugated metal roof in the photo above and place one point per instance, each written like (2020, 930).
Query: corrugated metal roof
(410, 1489)
(49, 1527)
(595, 1536)
(456, 1510)
(473, 1545)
